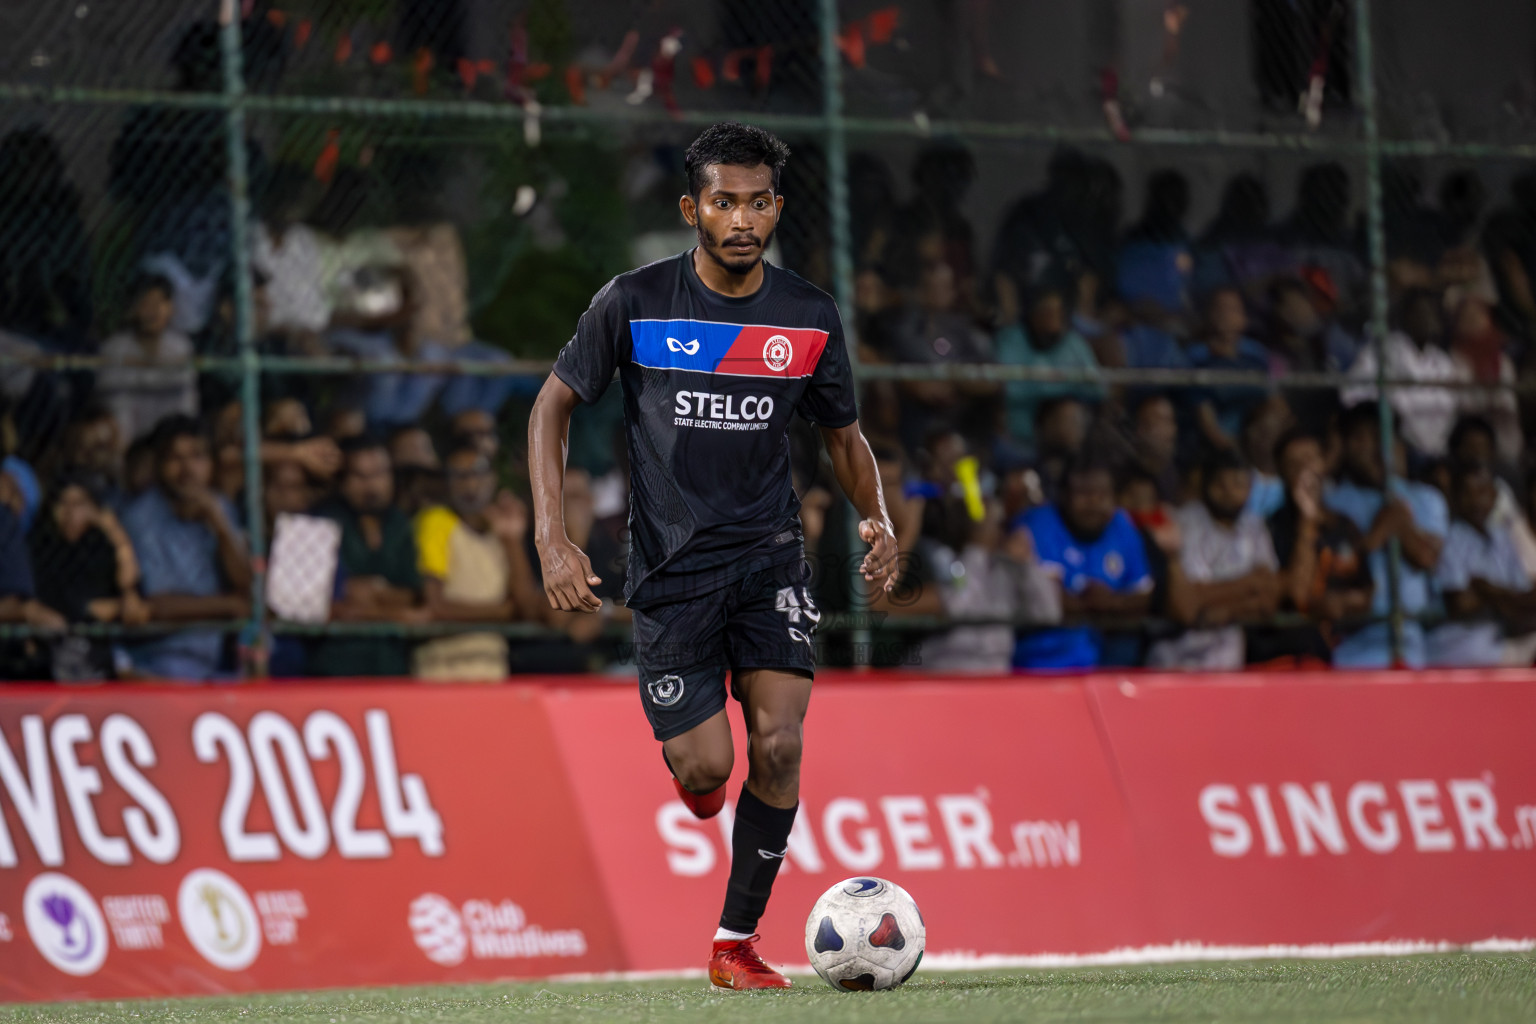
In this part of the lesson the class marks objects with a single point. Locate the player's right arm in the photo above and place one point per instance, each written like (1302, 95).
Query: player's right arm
(568, 576)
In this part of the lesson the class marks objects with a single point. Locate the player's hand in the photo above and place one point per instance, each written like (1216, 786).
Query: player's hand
(880, 563)
(568, 577)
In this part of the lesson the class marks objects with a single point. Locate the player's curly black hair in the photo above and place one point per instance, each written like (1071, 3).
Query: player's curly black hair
(740, 145)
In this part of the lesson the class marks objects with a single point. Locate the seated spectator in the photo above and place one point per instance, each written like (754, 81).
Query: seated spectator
(1043, 341)
(192, 559)
(379, 558)
(1477, 346)
(18, 596)
(989, 576)
(1264, 425)
(1155, 442)
(933, 332)
(1487, 592)
(1303, 340)
(1061, 428)
(287, 490)
(148, 372)
(474, 568)
(1155, 263)
(1415, 514)
(1415, 351)
(1473, 443)
(291, 256)
(20, 489)
(1229, 569)
(477, 427)
(1093, 551)
(85, 567)
(1158, 523)
(93, 446)
(418, 470)
(1324, 574)
(1220, 409)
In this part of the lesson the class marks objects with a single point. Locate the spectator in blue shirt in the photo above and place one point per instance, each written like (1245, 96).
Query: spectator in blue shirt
(1095, 553)
(192, 560)
(1413, 513)
(1487, 593)
(1155, 262)
(1220, 409)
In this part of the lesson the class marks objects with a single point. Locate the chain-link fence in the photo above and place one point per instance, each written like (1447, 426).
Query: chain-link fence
(280, 280)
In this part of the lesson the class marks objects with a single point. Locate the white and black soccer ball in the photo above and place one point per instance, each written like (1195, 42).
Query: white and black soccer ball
(865, 935)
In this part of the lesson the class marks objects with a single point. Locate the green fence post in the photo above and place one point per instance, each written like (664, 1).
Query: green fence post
(1376, 237)
(842, 280)
(250, 364)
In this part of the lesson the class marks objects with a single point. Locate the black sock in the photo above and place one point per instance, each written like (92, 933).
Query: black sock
(758, 844)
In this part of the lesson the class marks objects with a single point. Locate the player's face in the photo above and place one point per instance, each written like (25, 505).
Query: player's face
(735, 214)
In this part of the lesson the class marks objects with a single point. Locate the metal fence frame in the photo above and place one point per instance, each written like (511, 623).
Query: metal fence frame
(835, 127)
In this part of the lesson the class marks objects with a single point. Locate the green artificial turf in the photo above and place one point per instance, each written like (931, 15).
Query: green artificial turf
(1460, 988)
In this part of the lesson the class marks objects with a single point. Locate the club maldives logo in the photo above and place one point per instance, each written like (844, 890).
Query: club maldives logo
(483, 930)
(65, 924)
(219, 919)
(438, 929)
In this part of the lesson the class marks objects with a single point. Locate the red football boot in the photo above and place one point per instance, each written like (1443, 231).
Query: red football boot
(734, 964)
(703, 805)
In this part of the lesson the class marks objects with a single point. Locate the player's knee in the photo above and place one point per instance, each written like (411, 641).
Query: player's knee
(778, 750)
(701, 773)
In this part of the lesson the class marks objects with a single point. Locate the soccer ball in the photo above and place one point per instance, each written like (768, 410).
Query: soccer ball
(865, 935)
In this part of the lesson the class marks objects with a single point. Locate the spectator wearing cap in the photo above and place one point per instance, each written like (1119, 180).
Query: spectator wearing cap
(192, 559)
(1414, 514)
(1488, 594)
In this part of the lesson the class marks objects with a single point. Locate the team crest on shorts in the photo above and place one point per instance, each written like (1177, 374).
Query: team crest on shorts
(666, 691)
(777, 353)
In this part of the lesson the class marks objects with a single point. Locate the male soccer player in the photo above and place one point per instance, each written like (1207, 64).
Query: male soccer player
(716, 349)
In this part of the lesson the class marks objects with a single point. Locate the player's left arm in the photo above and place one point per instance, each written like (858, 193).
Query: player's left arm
(859, 477)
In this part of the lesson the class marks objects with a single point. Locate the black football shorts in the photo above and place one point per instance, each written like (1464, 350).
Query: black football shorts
(683, 649)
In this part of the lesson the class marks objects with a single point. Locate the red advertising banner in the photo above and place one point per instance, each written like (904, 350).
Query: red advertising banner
(204, 840)
(182, 841)
(991, 802)
(1331, 808)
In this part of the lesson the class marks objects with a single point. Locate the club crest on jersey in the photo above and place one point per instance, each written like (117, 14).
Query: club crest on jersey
(666, 691)
(777, 353)
(686, 347)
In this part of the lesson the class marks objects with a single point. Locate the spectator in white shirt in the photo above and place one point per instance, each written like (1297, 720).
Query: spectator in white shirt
(291, 256)
(1230, 570)
(149, 372)
(1488, 595)
(1415, 351)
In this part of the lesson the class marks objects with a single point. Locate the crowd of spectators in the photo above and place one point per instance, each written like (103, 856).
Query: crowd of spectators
(1213, 525)
(1080, 522)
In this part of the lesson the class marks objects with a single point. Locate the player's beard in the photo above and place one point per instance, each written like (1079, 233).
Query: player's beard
(711, 247)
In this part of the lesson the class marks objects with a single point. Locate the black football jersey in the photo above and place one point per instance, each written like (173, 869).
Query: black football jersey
(710, 383)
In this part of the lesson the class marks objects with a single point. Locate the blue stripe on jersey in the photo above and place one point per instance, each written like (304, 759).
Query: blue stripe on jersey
(682, 344)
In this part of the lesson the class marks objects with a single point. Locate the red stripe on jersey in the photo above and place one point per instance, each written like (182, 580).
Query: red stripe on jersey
(774, 352)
